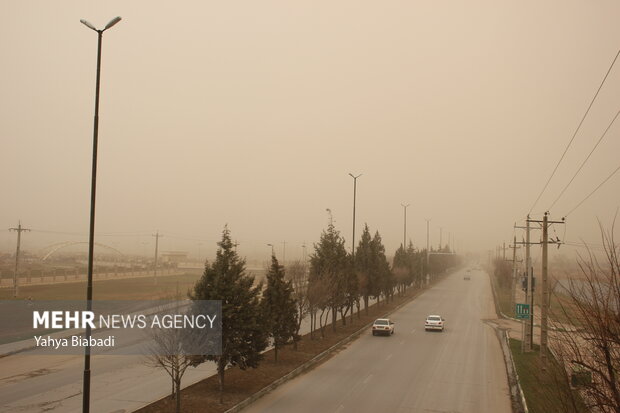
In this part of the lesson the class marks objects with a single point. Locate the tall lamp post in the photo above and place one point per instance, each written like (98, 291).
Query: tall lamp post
(354, 195)
(427, 250)
(405, 227)
(273, 251)
(91, 237)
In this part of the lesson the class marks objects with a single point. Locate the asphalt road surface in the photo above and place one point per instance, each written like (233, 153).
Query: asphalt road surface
(460, 370)
(31, 383)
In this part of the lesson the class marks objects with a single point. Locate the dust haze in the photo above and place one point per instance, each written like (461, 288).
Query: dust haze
(253, 114)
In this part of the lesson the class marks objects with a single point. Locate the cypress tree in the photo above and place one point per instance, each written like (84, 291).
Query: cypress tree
(279, 307)
(243, 332)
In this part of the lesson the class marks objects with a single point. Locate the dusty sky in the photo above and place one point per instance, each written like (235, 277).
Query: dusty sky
(253, 113)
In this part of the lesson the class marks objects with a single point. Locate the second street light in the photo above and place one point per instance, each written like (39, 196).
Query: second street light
(93, 191)
(354, 195)
(405, 227)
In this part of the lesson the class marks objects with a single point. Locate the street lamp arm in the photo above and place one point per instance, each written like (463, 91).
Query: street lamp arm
(112, 22)
(88, 24)
(107, 26)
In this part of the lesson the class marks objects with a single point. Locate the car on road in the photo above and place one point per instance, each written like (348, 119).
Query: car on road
(467, 277)
(383, 326)
(434, 322)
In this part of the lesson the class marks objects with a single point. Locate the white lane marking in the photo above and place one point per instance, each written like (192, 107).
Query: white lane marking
(413, 331)
(389, 356)
(339, 409)
(367, 379)
(402, 342)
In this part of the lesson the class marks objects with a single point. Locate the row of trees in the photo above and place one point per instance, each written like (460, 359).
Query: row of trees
(335, 282)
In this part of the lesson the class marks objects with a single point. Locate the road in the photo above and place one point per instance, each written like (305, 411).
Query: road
(31, 383)
(460, 370)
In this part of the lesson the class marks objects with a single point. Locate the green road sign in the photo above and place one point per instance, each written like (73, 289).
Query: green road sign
(522, 311)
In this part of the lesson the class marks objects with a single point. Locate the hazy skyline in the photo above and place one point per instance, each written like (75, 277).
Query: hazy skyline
(252, 114)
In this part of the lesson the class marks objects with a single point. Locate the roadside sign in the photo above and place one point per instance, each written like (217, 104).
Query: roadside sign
(522, 311)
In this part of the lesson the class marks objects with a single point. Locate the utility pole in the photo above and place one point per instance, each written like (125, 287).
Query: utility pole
(440, 237)
(514, 272)
(528, 330)
(19, 230)
(544, 313)
(157, 236)
(405, 227)
(529, 293)
(283, 252)
(545, 295)
(303, 253)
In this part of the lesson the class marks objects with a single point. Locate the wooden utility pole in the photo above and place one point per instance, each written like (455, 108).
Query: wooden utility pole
(19, 230)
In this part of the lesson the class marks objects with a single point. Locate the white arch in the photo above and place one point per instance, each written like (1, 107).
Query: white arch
(61, 245)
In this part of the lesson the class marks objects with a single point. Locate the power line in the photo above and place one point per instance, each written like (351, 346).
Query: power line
(585, 160)
(595, 189)
(576, 131)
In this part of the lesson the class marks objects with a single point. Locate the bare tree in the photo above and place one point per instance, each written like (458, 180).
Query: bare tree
(318, 300)
(592, 350)
(167, 352)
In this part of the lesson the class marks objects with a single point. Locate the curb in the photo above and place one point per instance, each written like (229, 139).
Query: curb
(517, 397)
(516, 392)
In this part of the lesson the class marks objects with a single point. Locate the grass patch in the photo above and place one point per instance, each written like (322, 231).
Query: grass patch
(502, 296)
(142, 288)
(545, 391)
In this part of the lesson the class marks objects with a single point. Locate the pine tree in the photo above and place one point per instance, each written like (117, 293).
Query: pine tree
(279, 307)
(366, 268)
(243, 332)
(329, 266)
(401, 267)
(381, 267)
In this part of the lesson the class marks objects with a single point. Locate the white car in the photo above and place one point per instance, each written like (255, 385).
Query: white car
(383, 326)
(434, 322)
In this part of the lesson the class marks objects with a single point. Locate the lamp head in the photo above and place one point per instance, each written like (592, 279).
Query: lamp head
(112, 22)
(88, 24)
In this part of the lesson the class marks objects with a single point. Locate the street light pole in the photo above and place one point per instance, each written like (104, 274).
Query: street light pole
(273, 253)
(93, 191)
(354, 195)
(405, 227)
(427, 250)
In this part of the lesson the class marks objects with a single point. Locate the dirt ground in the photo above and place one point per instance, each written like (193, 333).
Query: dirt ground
(239, 385)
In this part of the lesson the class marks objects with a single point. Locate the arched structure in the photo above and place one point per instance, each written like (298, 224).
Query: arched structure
(61, 245)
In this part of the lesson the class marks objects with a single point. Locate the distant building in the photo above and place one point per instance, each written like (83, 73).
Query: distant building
(173, 257)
